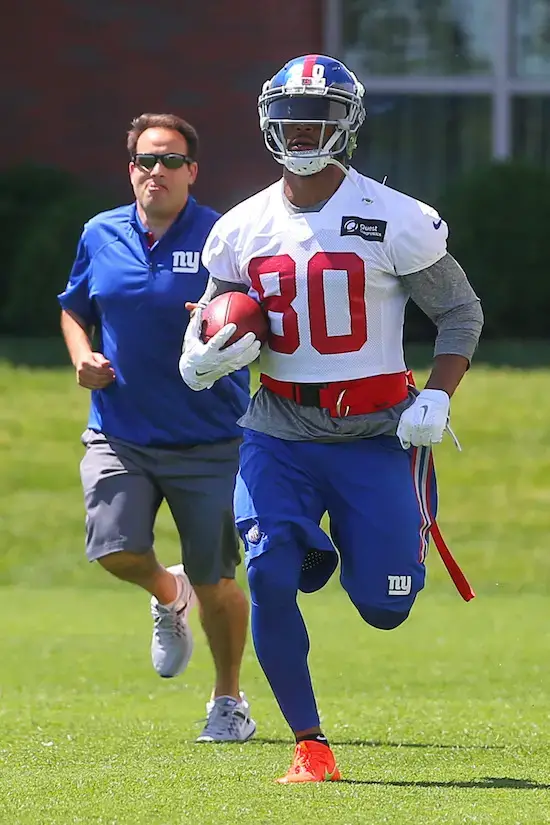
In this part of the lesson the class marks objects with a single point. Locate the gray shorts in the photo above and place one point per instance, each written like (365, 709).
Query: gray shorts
(125, 484)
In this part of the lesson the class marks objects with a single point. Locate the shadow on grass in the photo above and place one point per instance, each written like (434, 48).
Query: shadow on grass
(379, 743)
(487, 783)
(47, 353)
(42, 353)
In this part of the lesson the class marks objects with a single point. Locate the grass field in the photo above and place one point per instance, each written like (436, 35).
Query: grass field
(446, 720)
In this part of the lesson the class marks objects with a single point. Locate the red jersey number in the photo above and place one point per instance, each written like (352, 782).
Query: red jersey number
(284, 267)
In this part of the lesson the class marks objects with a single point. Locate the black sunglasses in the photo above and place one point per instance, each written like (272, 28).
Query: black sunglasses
(171, 160)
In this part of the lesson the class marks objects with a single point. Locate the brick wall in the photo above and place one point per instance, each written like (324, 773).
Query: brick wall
(75, 72)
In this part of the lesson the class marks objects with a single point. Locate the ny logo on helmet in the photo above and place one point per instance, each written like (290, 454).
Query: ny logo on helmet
(296, 76)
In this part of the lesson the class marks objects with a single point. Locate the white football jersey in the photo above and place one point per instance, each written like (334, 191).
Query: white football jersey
(328, 280)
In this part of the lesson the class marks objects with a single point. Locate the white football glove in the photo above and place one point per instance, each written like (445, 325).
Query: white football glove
(201, 365)
(425, 421)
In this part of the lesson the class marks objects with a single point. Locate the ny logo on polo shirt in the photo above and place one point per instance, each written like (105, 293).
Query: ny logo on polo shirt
(186, 262)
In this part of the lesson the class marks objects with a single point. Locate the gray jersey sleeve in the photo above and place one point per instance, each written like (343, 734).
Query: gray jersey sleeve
(444, 293)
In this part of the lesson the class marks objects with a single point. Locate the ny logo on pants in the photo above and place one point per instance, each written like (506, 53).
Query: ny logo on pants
(399, 585)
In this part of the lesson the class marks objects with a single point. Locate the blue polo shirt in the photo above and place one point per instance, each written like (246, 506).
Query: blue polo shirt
(134, 296)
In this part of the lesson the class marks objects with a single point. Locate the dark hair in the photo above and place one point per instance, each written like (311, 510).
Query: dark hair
(163, 121)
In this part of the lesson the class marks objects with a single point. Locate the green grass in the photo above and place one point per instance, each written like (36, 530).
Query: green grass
(446, 720)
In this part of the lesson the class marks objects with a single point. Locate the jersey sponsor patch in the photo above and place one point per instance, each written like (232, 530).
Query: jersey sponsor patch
(369, 230)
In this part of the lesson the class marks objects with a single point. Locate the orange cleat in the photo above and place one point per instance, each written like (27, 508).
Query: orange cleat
(313, 762)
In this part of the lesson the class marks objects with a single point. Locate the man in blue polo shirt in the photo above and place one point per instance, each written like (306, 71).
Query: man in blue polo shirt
(149, 436)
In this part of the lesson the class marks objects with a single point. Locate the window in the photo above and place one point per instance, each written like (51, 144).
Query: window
(531, 129)
(420, 141)
(423, 37)
(449, 84)
(531, 38)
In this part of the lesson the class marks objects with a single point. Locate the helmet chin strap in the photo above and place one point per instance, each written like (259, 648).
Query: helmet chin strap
(346, 172)
(341, 166)
(305, 167)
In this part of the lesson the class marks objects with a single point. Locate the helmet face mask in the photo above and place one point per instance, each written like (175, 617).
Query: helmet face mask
(314, 91)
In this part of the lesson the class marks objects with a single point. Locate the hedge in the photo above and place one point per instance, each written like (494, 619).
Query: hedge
(499, 219)
(42, 211)
(42, 263)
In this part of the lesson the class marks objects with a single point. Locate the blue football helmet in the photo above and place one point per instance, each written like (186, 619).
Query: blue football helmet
(312, 89)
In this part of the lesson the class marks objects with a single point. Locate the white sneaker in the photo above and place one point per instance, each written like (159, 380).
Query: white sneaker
(172, 642)
(228, 720)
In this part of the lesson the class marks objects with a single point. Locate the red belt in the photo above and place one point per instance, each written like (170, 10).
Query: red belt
(366, 395)
(342, 398)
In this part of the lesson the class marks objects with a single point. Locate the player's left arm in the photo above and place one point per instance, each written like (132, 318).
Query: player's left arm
(444, 294)
(439, 286)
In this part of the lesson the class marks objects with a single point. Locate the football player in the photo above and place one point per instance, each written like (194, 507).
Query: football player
(333, 257)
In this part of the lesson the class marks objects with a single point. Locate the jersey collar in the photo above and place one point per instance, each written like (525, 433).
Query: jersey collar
(304, 224)
(182, 221)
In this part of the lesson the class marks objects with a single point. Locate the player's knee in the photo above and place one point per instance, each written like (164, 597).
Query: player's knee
(380, 617)
(269, 581)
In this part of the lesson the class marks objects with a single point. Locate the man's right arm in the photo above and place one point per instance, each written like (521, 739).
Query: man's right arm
(77, 336)
(78, 317)
(93, 370)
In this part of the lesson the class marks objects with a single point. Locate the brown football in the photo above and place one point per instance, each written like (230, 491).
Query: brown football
(234, 308)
